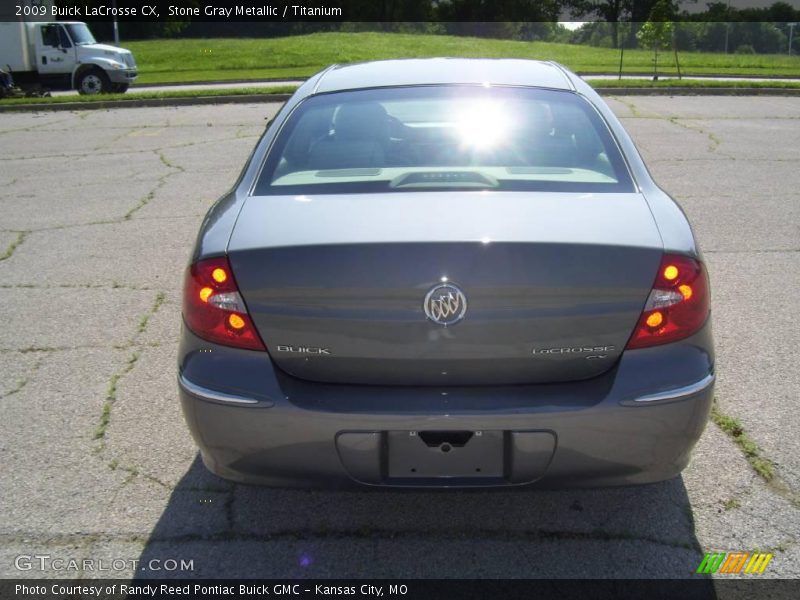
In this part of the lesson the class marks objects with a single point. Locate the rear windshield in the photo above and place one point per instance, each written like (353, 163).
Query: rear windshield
(443, 137)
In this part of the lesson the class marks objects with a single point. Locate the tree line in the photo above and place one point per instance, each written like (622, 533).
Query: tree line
(611, 23)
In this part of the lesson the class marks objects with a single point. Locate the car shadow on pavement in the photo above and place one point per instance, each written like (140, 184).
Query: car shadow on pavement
(225, 530)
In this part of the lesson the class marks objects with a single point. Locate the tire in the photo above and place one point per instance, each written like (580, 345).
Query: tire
(119, 88)
(93, 82)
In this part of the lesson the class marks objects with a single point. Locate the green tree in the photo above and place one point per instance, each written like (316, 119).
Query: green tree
(492, 11)
(657, 32)
(610, 11)
(615, 12)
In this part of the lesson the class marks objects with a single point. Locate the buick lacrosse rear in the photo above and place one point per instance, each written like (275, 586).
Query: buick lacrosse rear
(442, 273)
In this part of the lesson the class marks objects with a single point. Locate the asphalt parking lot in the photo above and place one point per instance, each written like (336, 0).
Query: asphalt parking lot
(98, 212)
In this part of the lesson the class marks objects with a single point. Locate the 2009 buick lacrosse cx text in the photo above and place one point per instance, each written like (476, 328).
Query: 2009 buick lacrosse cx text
(446, 273)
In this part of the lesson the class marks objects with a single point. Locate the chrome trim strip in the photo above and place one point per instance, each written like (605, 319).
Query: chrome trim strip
(322, 75)
(679, 393)
(564, 73)
(212, 395)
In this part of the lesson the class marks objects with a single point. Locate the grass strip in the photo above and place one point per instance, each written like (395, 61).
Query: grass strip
(248, 91)
(176, 61)
(691, 83)
(733, 428)
(286, 89)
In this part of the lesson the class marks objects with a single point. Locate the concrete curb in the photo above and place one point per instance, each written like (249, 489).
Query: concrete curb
(257, 98)
(585, 74)
(144, 86)
(700, 91)
(718, 76)
(147, 102)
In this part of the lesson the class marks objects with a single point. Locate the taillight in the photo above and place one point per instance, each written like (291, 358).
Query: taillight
(677, 306)
(213, 308)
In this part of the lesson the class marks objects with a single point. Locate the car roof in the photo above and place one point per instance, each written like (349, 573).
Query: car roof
(444, 71)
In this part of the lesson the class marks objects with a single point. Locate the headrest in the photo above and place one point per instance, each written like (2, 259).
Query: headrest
(361, 121)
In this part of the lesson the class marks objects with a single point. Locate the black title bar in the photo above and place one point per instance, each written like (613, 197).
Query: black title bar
(696, 588)
(234, 11)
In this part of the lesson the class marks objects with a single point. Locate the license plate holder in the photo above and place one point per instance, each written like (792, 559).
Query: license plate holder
(445, 454)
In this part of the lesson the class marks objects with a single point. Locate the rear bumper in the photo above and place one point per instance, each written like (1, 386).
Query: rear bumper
(636, 424)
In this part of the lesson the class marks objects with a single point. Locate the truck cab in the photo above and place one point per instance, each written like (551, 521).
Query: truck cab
(64, 55)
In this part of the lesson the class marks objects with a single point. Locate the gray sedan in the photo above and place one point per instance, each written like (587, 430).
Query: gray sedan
(446, 273)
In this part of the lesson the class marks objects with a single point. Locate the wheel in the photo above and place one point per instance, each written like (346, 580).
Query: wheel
(93, 82)
(119, 88)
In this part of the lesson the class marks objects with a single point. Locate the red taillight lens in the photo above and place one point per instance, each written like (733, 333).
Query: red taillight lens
(213, 308)
(677, 306)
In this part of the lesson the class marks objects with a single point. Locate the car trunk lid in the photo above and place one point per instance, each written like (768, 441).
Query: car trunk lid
(553, 283)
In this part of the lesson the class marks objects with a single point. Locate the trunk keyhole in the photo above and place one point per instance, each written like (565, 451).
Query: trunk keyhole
(446, 447)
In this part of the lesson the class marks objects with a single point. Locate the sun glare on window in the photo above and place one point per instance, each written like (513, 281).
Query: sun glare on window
(483, 124)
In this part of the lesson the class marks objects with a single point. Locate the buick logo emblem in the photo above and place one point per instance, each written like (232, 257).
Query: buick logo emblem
(445, 304)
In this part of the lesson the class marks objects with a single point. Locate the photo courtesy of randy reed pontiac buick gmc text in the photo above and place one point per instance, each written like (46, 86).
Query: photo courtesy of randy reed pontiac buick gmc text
(202, 590)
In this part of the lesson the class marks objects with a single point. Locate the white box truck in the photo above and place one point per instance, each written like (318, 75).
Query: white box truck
(63, 55)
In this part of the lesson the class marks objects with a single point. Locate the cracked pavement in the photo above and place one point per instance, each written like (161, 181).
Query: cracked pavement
(99, 213)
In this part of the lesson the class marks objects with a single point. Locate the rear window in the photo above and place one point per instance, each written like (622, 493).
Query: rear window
(443, 137)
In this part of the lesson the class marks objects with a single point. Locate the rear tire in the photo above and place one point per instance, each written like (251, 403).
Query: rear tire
(93, 82)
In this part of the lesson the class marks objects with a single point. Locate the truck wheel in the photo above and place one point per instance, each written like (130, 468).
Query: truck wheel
(93, 82)
(119, 88)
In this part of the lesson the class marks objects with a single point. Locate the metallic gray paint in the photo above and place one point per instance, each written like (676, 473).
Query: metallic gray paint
(301, 432)
(485, 217)
(289, 438)
(443, 71)
(363, 301)
(676, 233)
(556, 268)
